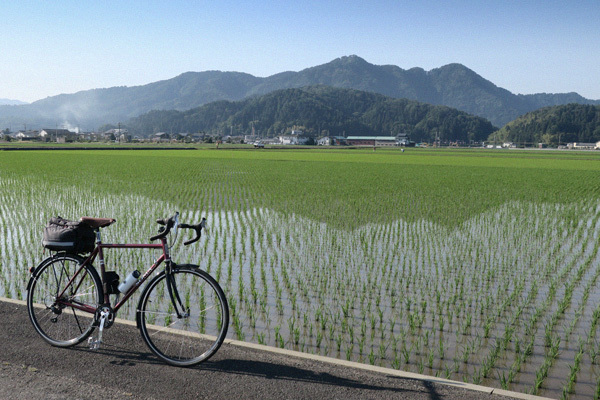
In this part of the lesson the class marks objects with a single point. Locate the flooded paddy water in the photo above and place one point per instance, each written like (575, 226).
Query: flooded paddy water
(508, 298)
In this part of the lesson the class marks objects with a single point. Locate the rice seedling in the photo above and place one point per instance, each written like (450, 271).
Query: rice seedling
(390, 274)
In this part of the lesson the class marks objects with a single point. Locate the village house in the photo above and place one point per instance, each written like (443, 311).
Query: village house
(582, 146)
(331, 141)
(295, 138)
(27, 135)
(372, 141)
(117, 134)
(292, 140)
(161, 137)
(87, 137)
(403, 139)
(189, 137)
(56, 135)
(251, 138)
(232, 139)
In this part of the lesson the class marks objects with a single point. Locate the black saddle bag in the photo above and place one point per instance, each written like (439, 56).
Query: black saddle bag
(70, 236)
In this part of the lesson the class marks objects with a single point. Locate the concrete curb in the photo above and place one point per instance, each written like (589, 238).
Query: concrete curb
(386, 371)
(352, 364)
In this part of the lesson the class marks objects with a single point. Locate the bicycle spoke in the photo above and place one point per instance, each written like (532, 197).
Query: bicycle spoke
(77, 320)
(58, 279)
(60, 321)
(194, 338)
(43, 288)
(158, 313)
(91, 292)
(159, 329)
(48, 314)
(206, 309)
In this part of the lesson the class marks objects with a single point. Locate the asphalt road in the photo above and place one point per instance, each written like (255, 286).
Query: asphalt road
(124, 368)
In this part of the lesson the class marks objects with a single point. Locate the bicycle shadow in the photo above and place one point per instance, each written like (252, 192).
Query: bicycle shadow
(122, 355)
(273, 371)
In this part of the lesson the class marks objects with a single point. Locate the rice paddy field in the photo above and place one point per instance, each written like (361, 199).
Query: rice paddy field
(478, 266)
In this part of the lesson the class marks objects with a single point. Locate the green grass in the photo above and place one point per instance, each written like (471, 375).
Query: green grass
(345, 188)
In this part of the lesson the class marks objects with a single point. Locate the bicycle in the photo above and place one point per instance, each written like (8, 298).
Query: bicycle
(182, 313)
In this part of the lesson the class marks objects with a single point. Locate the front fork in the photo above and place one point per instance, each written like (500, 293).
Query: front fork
(173, 292)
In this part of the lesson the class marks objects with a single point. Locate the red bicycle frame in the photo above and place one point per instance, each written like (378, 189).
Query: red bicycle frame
(98, 252)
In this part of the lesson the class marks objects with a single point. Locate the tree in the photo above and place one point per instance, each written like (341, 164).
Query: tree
(556, 125)
(312, 108)
(548, 138)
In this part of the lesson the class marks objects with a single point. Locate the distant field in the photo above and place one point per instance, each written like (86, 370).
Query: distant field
(468, 264)
(346, 188)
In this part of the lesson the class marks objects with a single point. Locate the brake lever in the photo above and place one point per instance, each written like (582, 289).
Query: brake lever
(197, 228)
(164, 230)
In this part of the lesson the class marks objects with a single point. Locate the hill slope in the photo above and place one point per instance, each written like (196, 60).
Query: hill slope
(320, 108)
(554, 125)
(453, 85)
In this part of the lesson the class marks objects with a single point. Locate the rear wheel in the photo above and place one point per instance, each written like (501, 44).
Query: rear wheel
(200, 331)
(56, 298)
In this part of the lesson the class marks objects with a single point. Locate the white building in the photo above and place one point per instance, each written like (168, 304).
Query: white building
(324, 141)
(582, 146)
(288, 140)
(331, 141)
(251, 138)
(27, 135)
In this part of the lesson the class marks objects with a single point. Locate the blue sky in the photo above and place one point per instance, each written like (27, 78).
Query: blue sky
(54, 47)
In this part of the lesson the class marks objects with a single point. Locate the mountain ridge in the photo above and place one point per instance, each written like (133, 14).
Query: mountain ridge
(11, 102)
(315, 109)
(453, 85)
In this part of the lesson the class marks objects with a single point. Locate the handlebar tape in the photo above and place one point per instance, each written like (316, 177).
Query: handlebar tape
(168, 225)
(197, 228)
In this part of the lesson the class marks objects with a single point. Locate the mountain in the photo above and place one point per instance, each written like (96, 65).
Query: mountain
(9, 102)
(453, 85)
(554, 125)
(316, 109)
(112, 105)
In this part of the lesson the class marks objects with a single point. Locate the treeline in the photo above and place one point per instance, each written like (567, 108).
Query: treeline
(320, 110)
(554, 125)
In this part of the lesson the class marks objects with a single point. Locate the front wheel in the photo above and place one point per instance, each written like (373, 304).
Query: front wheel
(61, 299)
(201, 328)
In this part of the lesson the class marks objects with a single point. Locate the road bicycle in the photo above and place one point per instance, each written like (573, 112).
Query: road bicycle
(182, 313)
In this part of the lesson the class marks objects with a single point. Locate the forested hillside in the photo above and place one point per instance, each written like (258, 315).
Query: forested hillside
(318, 109)
(551, 125)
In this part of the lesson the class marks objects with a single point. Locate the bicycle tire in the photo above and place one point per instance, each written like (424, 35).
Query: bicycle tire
(196, 337)
(59, 324)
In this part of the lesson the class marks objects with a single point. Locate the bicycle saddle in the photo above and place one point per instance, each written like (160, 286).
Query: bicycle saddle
(97, 222)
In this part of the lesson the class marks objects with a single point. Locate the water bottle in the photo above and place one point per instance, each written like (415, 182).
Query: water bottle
(129, 282)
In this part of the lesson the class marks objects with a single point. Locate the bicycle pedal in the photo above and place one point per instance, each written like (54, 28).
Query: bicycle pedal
(94, 344)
